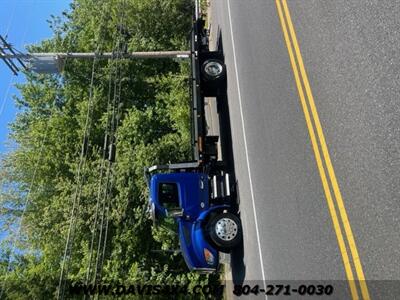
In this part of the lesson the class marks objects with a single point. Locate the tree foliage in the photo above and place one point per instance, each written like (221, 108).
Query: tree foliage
(40, 175)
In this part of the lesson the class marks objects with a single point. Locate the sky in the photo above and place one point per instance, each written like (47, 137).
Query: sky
(24, 22)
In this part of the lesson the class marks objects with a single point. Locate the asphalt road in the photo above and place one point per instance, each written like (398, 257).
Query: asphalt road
(351, 53)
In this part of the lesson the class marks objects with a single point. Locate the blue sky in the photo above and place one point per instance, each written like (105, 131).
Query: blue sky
(25, 23)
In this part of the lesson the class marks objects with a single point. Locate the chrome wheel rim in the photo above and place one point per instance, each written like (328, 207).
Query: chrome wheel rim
(213, 68)
(226, 229)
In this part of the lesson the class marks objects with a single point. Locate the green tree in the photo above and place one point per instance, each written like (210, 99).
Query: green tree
(153, 127)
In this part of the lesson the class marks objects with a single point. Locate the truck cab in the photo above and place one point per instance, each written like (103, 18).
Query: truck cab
(204, 228)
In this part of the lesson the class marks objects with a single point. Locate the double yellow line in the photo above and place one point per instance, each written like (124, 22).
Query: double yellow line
(313, 124)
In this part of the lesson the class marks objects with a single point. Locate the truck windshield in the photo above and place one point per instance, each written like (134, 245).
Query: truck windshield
(168, 195)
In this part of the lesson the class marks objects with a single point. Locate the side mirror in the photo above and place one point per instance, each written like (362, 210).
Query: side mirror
(152, 213)
(175, 212)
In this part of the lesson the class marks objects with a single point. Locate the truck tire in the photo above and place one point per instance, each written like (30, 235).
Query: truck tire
(213, 69)
(225, 231)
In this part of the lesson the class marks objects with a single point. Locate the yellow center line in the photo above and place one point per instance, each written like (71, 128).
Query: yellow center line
(336, 190)
(325, 152)
(338, 231)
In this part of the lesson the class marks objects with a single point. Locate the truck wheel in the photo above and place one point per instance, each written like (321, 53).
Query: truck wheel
(213, 69)
(225, 231)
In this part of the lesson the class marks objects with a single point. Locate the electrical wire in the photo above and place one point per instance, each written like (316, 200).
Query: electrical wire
(38, 162)
(94, 229)
(78, 188)
(3, 104)
(104, 223)
(11, 18)
(77, 195)
(26, 203)
(99, 191)
(23, 39)
(99, 257)
(115, 131)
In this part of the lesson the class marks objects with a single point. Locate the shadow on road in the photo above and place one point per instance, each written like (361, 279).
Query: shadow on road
(237, 264)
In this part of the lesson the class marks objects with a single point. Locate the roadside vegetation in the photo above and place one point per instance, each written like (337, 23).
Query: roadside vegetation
(112, 240)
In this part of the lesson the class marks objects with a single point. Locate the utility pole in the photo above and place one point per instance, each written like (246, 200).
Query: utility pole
(48, 63)
(54, 62)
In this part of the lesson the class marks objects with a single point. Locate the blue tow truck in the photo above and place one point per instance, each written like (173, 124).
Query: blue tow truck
(199, 194)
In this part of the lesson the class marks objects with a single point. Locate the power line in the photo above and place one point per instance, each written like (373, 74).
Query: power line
(16, 235)
(78, 188)
(108, 185)
(115, 123)
(26, 204)
(112, 143)
(77, 195)
(22, 41)
(11, 18)
(27, 198)
(99, 192)
(8, 49)
(110, 138)
(3, 104)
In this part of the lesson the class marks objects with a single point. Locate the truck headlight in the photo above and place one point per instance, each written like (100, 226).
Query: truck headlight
(208, 256)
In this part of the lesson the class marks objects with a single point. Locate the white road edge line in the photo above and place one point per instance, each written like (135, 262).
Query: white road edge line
(245, 145)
